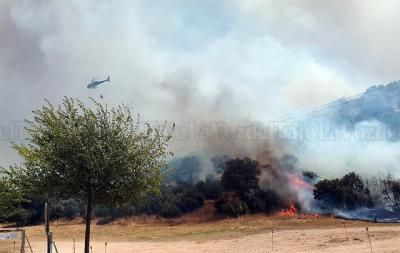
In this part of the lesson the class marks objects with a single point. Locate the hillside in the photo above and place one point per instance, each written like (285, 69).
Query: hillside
(378, 104)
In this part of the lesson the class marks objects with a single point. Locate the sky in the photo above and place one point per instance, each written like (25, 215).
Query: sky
(190, 60)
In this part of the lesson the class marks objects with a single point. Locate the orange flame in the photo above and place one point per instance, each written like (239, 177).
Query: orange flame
(290, 212)
(299, 183)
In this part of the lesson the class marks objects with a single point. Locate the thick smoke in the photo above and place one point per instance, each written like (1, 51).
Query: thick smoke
(52, 49)
(220, 69)
(361, 36)
(354, 134)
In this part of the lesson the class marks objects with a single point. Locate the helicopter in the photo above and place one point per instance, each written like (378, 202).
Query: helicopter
(95, 83)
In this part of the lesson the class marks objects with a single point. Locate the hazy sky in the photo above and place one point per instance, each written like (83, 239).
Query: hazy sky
(191, 59)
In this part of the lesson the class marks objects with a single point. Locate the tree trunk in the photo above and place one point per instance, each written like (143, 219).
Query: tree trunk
(88, 221)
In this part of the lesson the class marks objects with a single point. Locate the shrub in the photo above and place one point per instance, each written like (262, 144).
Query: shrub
(267, 201)
(233, 208)
(241, 176)
(391, 191)
(210, 189)
(170, 210)
(348, 192)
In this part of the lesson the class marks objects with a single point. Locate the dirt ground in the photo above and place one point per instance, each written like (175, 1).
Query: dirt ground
(248, 234)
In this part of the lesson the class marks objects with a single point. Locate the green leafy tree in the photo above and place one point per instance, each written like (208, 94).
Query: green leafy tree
(241, 176)
(100, 155)
(10, 202)
(347, 192)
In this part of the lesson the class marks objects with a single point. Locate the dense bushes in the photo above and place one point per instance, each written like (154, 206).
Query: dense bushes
(210, 189)
(11, 200)
(181, 199)
(66, 208)
(262, 202)
(241, 176)
(265, 201)
(174, 201)
(240, 180)
(237, 192)
(230, 204)
(347, 192)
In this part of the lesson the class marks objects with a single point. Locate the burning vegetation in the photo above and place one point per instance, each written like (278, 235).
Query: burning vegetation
(290, 212)
(246, 186)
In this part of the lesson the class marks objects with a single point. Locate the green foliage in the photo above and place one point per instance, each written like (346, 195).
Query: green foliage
(74, 150)
(187, 198)
(66, 208)
(171, 202)
(348, 192)
(241, 176)
(11, 200)
(34, 210)
(267, 201)
(178, 200)
(240, 180)
(170, 210)
(100, 155)
(114, 212)
(231, 206)
(210, 189)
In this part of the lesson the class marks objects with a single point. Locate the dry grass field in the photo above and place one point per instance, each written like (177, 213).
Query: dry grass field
(246, 234)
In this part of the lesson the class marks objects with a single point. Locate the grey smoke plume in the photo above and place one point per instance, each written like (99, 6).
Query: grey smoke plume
(206, 65)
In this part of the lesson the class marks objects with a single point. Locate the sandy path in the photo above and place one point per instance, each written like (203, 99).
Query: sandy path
(383, 239)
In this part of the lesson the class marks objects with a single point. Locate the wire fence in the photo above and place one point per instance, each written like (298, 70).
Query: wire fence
(35, 243)
(18, 241)
(373, 239)
(11, 241)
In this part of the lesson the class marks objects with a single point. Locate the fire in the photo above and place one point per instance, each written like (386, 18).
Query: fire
(299, 183)
(290, 212)
(299, 187)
